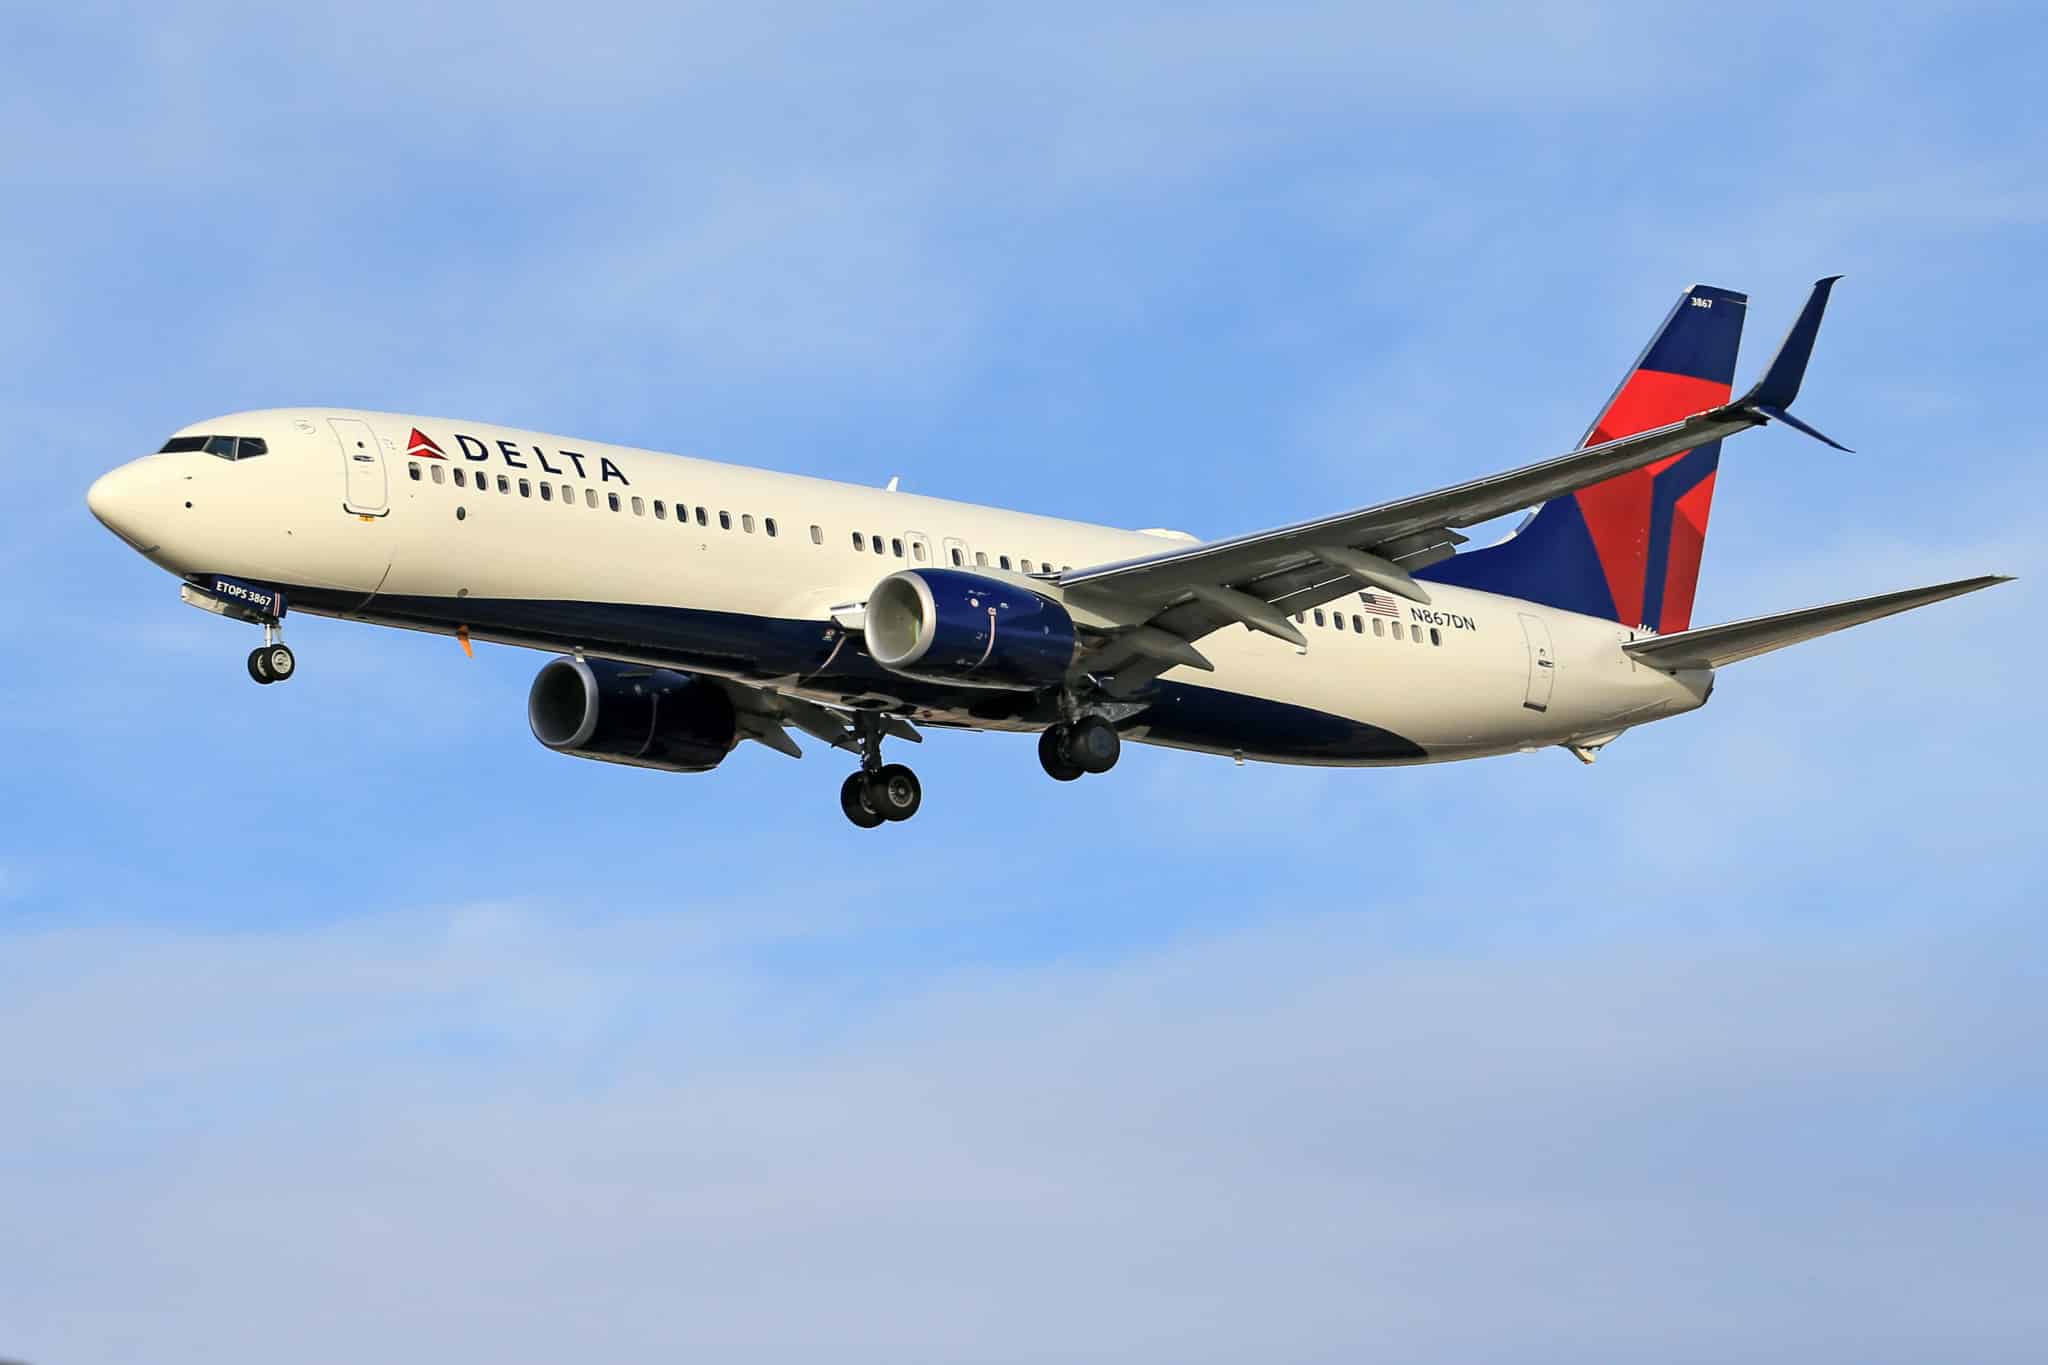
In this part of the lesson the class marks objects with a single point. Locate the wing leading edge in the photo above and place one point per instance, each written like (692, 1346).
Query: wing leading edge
(1257, 580)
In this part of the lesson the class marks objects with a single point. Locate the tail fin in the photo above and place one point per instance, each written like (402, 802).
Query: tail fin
(1629, 549)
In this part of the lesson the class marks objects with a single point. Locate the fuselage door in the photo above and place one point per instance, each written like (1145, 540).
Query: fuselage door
(362, 459)
(1542, 663)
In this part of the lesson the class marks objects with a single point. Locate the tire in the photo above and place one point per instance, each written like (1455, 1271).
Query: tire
(894, 792)
(1093, 745)
(278, 662)
(259, 666)
(1052, 755)
(853, 800)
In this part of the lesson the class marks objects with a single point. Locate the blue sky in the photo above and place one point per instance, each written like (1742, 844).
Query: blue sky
(1728, 1047)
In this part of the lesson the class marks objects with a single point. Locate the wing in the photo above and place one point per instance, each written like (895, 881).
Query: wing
(767, 716)
(1147, 612)
(1713, 646)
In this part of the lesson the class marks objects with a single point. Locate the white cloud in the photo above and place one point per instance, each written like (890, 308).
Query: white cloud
(523, 1133)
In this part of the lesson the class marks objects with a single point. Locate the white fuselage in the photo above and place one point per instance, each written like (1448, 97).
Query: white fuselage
(355, 518)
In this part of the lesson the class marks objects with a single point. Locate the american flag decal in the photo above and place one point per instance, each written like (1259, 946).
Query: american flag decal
(1378, 605)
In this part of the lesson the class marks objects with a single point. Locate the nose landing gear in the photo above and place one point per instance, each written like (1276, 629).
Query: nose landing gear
(880, 792)
(272, 661)
(255, 604)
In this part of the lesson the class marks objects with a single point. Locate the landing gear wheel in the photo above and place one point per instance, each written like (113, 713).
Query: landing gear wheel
(1052, 755)
(854, 801)
(1093, 745)
(893, 791)
(259, 666)
(278, 661)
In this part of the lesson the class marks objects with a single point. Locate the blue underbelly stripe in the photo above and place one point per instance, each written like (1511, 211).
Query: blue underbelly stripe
(762, 648)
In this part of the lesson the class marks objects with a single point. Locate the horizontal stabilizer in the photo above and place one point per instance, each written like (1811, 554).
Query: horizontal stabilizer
(1713, 646)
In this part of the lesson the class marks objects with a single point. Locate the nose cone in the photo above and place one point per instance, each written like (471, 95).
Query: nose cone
(117, 499)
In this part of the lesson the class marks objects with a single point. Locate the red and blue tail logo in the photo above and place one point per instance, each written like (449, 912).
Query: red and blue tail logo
(1629, 549)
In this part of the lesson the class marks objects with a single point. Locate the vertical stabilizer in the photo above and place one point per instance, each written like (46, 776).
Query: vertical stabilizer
(1629, 549)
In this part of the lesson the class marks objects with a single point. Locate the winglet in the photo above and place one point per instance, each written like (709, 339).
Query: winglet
(1773, 394)
(1777, 414)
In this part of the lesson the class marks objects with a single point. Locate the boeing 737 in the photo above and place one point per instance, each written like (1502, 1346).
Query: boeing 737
(696, 605)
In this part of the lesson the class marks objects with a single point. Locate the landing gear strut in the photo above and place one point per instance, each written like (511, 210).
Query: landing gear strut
(1087, 745)
(272, 661)
(879, 792)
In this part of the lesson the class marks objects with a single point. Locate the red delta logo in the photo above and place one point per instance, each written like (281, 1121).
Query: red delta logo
(423, 444)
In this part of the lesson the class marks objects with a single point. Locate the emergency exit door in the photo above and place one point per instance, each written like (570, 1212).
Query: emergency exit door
(1542, 664)
(366, 491)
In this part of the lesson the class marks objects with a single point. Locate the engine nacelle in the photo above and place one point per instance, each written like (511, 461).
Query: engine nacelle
(625, 713)
(943, 625)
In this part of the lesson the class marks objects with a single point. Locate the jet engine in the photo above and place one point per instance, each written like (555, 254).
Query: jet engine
(626, 713)
(969, 630)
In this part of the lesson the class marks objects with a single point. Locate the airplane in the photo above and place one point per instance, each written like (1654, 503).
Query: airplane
(695, 605)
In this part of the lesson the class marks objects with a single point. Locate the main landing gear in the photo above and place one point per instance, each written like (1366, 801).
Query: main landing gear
(1087, 745)
(880, 792)
(272, 661)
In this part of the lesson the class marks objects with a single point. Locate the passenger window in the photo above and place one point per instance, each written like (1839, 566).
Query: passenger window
(439, 473)
(1358, 625)
(768, 525)
(660, 510)
(1318, 615)
(981, 558)
(639, 507)
(414, 469)
(590, 497)
(1003, 560)
(880, 548)
(958, 558)
(547, 491)
(1415, 635)
(1379, 627)
(1023, 566)
(747, 522)
(612, 501)
(817, 535)
(504, 484)
(252, 446)
(725, 521)
(1301, 618)
(917, 550)
(700, 517)
(1435, 637)
(461, 479)
(859, 541)
(1395, 626)
(525, 488)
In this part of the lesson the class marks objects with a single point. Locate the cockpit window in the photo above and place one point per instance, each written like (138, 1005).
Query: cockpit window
(225, 447)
